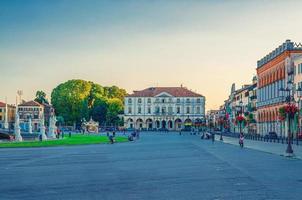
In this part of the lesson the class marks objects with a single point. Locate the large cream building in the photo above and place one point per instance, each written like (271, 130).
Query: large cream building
(163, 108)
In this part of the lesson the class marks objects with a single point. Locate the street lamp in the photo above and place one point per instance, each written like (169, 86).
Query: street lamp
(239, 114)
(289, 97)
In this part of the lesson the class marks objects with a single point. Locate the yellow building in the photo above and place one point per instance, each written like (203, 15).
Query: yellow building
(10, 115)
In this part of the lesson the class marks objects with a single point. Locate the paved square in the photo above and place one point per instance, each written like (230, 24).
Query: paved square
(158, 166)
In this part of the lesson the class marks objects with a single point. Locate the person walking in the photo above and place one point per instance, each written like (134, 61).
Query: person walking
(241, 140)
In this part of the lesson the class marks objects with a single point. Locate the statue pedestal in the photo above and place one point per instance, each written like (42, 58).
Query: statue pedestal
(42, 133)
(18, 136)
(51, 133)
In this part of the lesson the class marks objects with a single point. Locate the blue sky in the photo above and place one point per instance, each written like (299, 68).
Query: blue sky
(205, 45)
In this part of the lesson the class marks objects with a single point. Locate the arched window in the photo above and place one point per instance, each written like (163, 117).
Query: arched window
(139, 100)
(129, 101)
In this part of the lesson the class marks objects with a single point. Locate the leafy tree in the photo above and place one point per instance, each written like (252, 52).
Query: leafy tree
(99, 110)
(69, 100)
(78, 99)
(41, 97)
(97, 91)
(115, 92)
(115, 107)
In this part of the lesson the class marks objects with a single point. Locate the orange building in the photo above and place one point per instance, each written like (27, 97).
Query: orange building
(274, 70)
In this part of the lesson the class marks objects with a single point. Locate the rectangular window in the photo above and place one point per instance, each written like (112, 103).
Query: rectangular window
(163, 110)
(178, 110)
(198, 110)
(139, 111)
(129, 110)
(170, 110)
(188, 110)
(149, 110)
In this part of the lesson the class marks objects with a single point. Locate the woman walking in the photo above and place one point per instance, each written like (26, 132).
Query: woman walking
(241, 140)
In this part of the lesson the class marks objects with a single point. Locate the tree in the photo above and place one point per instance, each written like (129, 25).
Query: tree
(70, 100)
(99, 110)
(41, 97)
(115, 107)
(78, 99)
(115, 92)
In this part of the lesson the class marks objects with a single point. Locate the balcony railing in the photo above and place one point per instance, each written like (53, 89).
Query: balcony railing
(270, 101)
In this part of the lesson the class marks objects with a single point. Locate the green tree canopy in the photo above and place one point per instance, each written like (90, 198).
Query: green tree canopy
(41, 97)
(70, 100)
(78, 99)
(115, 107)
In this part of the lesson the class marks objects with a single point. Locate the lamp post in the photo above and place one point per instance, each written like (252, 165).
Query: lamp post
(289, 97)
(239, 113)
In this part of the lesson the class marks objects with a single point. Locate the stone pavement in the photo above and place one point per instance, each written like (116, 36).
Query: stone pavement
(158, 166)
(268, 147)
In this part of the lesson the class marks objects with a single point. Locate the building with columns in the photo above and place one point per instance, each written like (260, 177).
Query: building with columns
(170, 108)
(274, 71)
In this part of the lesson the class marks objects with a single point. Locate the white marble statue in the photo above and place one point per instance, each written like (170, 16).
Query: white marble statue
(52, 127)
(42, 129)
(17, 130)
(30, 127)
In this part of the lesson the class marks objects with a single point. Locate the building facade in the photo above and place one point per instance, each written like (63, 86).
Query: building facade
(33, 110)
(274, 71)
(11, 110)
(169, 108)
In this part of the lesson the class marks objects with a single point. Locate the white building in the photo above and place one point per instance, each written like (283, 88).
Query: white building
(163, 108)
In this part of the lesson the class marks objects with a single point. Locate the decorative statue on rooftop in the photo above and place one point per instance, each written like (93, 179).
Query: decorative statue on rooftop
(17, 130)
(52, 126)
(42, 129)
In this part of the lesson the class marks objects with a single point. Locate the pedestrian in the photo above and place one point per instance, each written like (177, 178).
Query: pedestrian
(241, 140)
(113, 133)
(111, 139)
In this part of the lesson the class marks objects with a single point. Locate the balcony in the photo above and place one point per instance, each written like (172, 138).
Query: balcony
(270, 101)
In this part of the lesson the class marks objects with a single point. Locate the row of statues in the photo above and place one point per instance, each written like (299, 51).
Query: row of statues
(51, 133)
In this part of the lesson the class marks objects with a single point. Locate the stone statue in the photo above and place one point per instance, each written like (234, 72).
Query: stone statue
(42, 128)
(52, 126)
(30, 127)
(17, 130)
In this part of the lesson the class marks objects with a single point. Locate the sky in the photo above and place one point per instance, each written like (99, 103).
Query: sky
(204, 45)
